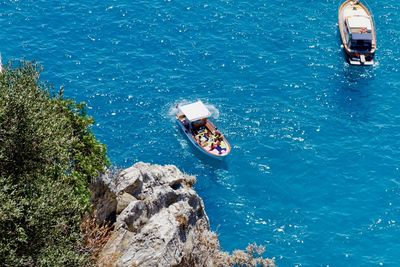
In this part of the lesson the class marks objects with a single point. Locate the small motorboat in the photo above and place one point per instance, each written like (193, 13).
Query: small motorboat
(194, 122)
(357, 32)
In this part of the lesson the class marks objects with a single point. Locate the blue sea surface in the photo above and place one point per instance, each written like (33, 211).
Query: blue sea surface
(314, 171)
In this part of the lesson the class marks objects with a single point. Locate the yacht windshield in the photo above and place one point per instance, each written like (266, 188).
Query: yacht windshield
(361, 45)
(361, 42)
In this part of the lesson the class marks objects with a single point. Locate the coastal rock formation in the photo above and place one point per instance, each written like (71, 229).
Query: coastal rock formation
(159, 220)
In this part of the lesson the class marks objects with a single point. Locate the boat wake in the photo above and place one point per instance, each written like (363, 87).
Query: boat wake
(213, 109)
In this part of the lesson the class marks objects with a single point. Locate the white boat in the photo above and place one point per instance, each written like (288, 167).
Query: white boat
(357, 32)
(194, 122)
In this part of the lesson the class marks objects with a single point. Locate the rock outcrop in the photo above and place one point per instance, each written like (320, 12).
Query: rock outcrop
(159, 220)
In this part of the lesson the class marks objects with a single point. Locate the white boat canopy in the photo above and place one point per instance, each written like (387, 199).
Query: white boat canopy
(195, 111)
(359, 22)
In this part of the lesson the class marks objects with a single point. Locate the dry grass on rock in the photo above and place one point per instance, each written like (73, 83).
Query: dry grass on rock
(206, 251)
(95, 236)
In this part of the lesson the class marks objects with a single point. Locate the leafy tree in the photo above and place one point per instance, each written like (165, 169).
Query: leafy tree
(48, 156)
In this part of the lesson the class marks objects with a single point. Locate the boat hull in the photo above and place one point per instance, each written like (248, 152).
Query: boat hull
(356, 57)
(197, 145)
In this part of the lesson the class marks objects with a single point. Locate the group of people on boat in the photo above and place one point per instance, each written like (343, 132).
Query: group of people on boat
(205, 138)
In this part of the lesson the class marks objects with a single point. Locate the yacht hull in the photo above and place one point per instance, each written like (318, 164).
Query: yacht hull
(350, 8)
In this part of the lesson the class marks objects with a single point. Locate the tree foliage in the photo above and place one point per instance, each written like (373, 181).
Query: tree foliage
(48, 156)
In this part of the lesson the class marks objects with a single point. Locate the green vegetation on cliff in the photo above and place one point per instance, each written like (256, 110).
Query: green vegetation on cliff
(48, 156)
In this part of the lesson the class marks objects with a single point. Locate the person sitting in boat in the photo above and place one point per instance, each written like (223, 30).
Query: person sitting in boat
(217, 146)
(202, 138)
(218, 136)
(363, 30)
(185, 123)
(205, 136)
(198, 125)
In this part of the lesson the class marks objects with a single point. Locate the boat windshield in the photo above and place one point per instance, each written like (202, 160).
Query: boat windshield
(361, 45)
(361, 42)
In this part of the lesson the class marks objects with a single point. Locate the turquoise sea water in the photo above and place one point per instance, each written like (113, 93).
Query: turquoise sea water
(314, 172)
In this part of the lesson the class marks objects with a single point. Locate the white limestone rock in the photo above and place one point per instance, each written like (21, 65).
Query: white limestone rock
(156, 212)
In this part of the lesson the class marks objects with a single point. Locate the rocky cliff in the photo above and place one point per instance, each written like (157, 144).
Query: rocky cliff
(159, 220)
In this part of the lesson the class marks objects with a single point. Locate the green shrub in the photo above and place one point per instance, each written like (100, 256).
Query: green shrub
(48, 156)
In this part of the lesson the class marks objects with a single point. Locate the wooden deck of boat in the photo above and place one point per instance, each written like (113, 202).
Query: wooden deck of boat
(206, 142)
(355, 10)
